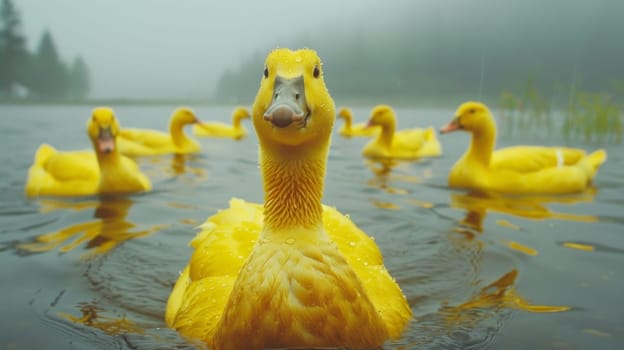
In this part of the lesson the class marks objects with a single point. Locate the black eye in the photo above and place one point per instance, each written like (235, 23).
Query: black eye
(266, 72)
(471, 111)
(316, 72)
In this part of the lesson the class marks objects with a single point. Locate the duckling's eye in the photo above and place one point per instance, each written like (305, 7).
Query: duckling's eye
(316, 72)
(471, 111)
(266, 72)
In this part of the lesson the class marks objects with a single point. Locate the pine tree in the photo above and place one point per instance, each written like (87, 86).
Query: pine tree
(12, 48)
(51, 79)
(79, 79)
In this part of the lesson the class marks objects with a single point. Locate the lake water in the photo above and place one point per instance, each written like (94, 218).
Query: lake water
(95, 273)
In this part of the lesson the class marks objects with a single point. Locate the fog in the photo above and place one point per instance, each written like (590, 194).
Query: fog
(175, 49)
(196, 49)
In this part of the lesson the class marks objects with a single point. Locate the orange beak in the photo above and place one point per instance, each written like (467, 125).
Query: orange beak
(454, 125)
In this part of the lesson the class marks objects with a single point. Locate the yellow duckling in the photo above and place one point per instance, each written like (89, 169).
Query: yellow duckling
(519, 169)
(144, 142)
(403, 144)
(349, 129)
(217, 129)
(58, 173)
(84, 173)
(291, 273)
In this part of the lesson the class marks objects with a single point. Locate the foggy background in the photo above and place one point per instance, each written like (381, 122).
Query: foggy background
(421, 49)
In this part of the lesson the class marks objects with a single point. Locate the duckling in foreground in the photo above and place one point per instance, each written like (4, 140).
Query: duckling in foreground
(402, 144)
(349, 129)
(291, 272)
(145, 142)
(235, 131)
(83, 173)
(519, 169)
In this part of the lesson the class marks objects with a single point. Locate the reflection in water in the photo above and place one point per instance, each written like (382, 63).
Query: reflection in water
(500, 294)
(597, 333)
(532, 207)
(579, 246)
(382, 169)
(179, 166)
(175, 165)
(110, 228)
(507, 224)
(110, 325)
(592, 247)
(385, 205)
(497, 295)
(521, 248)
(49, 205)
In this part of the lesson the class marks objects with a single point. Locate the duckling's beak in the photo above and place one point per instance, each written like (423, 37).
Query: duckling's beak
(289, 103)
(199, 122)
(454, 125)
(105, 140)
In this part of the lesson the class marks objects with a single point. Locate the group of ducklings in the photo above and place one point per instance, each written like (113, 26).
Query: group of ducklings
(108, 168)
(518, 169)
(293, 272)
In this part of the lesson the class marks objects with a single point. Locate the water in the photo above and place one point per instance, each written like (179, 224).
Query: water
(96, 273)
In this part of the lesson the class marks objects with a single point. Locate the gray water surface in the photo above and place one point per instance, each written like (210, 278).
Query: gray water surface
(96, 272)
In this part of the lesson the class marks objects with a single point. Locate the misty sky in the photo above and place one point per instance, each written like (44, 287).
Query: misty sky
(178, 49)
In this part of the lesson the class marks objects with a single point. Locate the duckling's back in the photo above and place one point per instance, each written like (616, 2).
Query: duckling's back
(56, 173)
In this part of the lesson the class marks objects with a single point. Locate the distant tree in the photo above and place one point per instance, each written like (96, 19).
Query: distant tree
(12, 47)
(51, 78)
(434, 52)
(79, 79)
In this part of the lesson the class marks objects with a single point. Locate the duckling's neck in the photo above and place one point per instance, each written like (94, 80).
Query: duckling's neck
(482, 145)
(348, 121)
(293, 187)
(386, 135)
(237, 120)
(178, 137)
(110, 168)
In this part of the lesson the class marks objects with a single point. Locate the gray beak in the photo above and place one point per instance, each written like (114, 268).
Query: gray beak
(289, 103)
(105, 140)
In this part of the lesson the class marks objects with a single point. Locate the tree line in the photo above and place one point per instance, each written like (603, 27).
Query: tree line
(474, 49)
(41, 74)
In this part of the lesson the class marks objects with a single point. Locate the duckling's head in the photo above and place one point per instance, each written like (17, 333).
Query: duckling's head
(184, 116)
(382, 115)
(345, 113)
(240, 113)
(470, 116)
(293, 106)
(103, 129)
